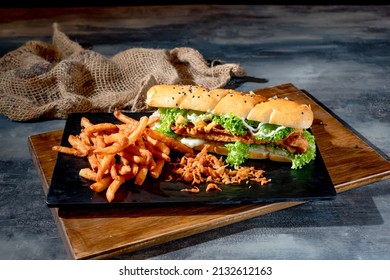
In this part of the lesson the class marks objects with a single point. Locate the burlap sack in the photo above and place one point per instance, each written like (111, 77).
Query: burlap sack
(41, 80)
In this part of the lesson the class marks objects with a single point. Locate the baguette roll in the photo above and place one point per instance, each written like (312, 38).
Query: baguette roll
(262, 152)
(202, 100)
(238, 104)
(213, 117)
(220, 149)
(282, 112)
(252, 107)
(167, 96)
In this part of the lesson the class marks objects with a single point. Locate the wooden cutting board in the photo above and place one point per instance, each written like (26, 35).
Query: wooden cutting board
(105, 233)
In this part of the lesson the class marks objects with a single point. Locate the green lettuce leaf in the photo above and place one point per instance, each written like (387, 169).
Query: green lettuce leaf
(167, 117)
(231, 123)
(237, 153)
(266, 129)
(299, 160)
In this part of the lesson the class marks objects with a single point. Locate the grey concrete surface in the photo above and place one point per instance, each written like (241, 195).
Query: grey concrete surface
(339, 54)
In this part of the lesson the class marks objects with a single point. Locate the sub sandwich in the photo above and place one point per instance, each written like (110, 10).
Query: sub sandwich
(238, 125)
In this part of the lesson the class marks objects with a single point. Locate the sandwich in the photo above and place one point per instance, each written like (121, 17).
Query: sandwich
(235, 124)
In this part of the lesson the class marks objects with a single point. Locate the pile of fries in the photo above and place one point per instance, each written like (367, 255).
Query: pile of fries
(120, 152)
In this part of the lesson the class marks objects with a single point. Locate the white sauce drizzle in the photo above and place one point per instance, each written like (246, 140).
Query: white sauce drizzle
(192, 142)
(257, 131)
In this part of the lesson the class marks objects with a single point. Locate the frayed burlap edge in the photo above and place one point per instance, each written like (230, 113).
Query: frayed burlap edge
(43, 80)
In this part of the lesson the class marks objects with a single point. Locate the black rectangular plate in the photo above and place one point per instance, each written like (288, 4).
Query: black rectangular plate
(67, 188)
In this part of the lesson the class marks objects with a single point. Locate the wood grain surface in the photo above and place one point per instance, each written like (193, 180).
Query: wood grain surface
(104, 233)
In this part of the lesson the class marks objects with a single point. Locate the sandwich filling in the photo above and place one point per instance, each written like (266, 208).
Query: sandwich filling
(239, 135)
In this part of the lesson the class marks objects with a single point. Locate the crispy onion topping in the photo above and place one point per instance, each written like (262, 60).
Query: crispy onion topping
(204, 167)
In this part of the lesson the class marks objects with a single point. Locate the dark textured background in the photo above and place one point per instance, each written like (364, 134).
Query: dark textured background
(339, 54)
